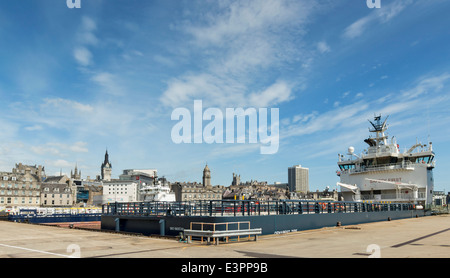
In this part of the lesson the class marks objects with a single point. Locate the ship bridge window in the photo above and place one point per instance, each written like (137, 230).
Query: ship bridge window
(424, 159)
(347, 166)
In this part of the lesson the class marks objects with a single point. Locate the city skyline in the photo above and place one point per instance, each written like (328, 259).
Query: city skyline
(107, 76)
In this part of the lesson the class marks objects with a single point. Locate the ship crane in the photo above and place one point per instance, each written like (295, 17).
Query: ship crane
(401, 185)
(354, 189)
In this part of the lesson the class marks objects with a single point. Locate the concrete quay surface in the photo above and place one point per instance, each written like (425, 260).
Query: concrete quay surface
(424, 237)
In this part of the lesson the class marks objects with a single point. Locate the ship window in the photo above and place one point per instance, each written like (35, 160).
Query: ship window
(347, 166)
(425, 159)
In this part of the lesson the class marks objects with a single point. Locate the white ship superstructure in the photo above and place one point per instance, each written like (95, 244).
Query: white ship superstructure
(157, 192)
(383, 173)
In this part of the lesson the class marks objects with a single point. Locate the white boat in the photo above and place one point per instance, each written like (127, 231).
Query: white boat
(158, 192)
(382, 173)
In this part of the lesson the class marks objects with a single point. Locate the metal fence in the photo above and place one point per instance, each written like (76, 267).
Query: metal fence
(58, 217)
(247, 207)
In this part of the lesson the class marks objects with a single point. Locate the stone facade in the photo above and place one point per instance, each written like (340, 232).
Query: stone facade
(193, 191)
(56, 195)
(188, 191)
(21, 187)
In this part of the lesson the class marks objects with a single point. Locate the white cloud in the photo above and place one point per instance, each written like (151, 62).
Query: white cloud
(382, 15)
(46, 149)
(83, 56)
(86, 34)
(67, 105)
(238, 42)
(335, 118)
(273, 95)
(323, 47)
(60, 149)
(238, 19)
(304, 118)
(345, 94)
(79, 147)
(426, 84)
(358, 27)
(211, 89)
(33, 128)
(109, 83)
(60, 163)
(85, 37)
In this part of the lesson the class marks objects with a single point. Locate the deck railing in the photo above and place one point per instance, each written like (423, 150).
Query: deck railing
(247, 208)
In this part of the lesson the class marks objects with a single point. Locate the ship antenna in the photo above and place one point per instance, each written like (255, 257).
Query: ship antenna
(428, 121)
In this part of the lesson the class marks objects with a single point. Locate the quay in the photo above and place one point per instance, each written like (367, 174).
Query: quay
(422, 237)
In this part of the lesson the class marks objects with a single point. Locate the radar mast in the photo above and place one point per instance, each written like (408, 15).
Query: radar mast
(379, 128)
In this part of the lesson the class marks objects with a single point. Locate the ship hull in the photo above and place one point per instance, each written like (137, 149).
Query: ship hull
(270, 224)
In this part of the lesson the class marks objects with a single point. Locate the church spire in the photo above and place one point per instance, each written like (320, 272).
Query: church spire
(106, 157)
(106, 168)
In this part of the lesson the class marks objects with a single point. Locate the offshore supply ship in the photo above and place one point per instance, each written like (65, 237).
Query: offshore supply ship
(159, 191)
(384, 173)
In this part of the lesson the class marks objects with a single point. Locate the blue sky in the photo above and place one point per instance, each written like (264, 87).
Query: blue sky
(74, 82)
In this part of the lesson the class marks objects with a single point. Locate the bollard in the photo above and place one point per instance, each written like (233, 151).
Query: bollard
(117, 220)
(162, 227)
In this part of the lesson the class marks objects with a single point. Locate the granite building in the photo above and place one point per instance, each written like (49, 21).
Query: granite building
(56, 195)
(193, 191)
(21, 187)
